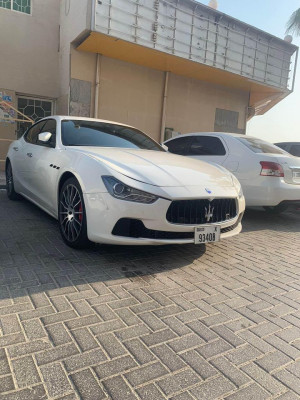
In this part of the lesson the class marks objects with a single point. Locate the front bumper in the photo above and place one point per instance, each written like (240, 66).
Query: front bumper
(104, 211)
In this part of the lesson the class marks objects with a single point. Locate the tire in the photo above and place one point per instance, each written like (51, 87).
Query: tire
(10, 187)
(276, 209)
(72, 216)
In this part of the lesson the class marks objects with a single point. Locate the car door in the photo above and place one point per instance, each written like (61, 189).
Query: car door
(208, 148)
(25, 154)
(44, 168)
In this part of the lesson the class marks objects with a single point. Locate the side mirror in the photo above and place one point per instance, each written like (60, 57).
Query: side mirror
(45, 137)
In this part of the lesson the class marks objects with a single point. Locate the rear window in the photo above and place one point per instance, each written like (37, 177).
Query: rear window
(295, 150)
(260, 146)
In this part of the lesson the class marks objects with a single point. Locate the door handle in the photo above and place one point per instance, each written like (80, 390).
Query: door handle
(29, 154)
(16, 148)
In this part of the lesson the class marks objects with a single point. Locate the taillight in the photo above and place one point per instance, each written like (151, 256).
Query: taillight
(269, 168)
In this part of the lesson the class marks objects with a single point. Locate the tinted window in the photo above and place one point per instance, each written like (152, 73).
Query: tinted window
(101, 134)
(295, 150)
(283, 146)
(50, 126)
(260, 146)
(31, 135)
(179, 145)
(206, 146)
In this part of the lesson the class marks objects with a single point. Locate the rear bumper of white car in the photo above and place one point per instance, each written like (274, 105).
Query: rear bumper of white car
(114, 221)
(270, 191)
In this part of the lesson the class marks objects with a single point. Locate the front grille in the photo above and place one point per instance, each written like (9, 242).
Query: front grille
(135, 228)
(231, 227)
(195, 212)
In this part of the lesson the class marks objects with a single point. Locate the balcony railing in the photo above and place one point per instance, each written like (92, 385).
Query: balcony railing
(193, 31)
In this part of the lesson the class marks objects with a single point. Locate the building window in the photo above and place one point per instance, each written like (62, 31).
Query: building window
(227, 121)
(23, 6)
(33, 108)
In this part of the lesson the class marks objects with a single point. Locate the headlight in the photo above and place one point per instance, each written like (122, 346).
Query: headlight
(121, 191)
(238, 186)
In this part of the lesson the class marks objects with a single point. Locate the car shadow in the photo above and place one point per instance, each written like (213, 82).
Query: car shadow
(33, 257)
(257, 219)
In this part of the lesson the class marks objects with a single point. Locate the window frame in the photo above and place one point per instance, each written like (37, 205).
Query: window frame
(38, 143)
(22, 110)
(17, 11)
(50, 145)
(207, 155)
(29, 129)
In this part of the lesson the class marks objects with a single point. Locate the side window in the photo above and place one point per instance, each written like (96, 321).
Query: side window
(50, 126)
(295, 150)
(206, 146)
(179, 145)
(32, 133)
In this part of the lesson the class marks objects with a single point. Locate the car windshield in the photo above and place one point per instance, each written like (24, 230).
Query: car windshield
(260, 146)
(103, 134)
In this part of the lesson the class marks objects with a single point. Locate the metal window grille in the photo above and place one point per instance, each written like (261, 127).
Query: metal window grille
(33, 108)
(23, 6)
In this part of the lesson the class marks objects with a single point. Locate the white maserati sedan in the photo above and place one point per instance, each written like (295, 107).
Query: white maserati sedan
(107, 182)
(270, 177)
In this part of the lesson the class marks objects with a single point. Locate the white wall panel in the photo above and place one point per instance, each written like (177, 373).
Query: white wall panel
(191, 30)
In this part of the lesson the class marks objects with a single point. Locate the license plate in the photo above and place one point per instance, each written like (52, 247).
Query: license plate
(207, 234)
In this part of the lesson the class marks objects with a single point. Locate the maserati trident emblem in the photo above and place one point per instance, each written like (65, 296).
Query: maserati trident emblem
(209, 213)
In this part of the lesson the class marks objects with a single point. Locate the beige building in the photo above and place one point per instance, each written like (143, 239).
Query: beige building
(164, 66)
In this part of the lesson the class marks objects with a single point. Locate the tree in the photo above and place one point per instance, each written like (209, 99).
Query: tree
(293, 25)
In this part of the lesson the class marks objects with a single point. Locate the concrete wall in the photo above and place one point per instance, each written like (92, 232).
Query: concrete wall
(133, 94)
(29, 49)
(191, 104)
(75, 20)
(29, 58)
(7, 128)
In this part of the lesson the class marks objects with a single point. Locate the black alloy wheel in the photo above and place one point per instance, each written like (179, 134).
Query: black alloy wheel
(10, 187)
(72, 216)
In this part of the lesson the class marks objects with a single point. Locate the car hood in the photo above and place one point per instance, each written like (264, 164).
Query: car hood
(159, 168)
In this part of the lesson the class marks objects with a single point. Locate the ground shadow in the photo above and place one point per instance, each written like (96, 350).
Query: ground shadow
(257, 219)
(33, 256)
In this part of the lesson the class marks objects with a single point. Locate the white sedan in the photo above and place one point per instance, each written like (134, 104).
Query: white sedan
(270, 177)
(110, 183)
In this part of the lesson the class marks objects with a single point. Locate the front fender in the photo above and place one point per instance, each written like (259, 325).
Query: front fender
(87, 171)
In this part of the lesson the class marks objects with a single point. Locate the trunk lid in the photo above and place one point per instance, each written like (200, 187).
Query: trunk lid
(291, 168)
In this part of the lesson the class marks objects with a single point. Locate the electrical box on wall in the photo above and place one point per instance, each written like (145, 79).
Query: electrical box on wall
(170, 133)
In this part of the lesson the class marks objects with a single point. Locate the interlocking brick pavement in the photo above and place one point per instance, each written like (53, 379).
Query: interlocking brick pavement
(151, 323)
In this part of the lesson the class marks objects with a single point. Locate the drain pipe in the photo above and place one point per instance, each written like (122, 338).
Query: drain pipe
(164, 109)
(97, 86)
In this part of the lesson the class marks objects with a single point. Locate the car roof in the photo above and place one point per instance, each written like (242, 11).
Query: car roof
(71, 117)
(287, 143)
(221, 134)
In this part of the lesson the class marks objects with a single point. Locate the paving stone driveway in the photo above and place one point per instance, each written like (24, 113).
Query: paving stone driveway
(151, 323)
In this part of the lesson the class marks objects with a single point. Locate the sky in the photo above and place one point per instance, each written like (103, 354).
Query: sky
(282, 122)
